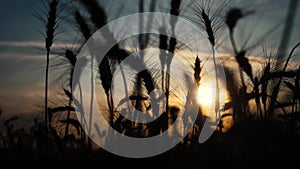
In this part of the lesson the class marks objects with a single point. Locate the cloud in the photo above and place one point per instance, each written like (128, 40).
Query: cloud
(35, 44)
(22, 43)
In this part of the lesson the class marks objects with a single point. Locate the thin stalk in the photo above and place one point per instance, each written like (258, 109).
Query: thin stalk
(68, 117)
(277, 87)
(112, 109)
(236, 53)
(91, 104)
(50, 33)
(163, 45)
(233, 42)
(167, 87)
(71, 57)
(46, 88)
(175, 5)
(290, 18)
(125, 86)
(217, 100)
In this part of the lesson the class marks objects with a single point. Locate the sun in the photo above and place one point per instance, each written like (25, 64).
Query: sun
(205, 96)
(207, 93)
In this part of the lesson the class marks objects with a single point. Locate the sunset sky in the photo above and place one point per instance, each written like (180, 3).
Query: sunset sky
(22, 54)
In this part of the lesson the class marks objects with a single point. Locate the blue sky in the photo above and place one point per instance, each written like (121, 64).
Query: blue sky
(22, 55)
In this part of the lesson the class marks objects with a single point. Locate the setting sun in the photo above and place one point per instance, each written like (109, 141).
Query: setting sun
(206, 95)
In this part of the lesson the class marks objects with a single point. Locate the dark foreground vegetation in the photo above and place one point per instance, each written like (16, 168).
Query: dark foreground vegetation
(252, 144)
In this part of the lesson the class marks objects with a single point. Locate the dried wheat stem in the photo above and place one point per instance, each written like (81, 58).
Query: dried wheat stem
(50, 29)
(211, 38)
(84, 28)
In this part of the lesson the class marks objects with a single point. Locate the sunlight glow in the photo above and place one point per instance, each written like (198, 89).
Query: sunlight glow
(206, 95)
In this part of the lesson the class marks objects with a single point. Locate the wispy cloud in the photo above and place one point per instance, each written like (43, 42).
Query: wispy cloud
(34, 44)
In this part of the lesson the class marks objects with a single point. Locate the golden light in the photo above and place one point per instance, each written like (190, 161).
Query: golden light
(205, 96)
(207, 93)
(206, 99)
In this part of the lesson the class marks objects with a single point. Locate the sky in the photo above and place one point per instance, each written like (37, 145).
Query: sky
(22, 55)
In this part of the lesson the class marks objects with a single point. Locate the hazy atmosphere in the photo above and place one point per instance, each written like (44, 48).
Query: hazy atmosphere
(150, 84)
(22, 46)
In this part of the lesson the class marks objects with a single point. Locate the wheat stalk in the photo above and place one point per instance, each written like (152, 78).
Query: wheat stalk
(199, 119)
(50, 29)
(211, 38)
(209, 20)
(290, 19)
(197, 71)
(175, 5)
(84, 27)
(71, 57)
(277, 87)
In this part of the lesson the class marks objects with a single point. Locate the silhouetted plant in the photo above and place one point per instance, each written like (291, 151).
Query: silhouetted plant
(175, 10)
(106, 80)
(163, 45)
(71, 57)
(50, 30)
(84, 27)
(210, 20)
(200, 118)
(2, 143)
(260, 97)
(286, 34)
(277, 86)
(197, 71)
(264, 86)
